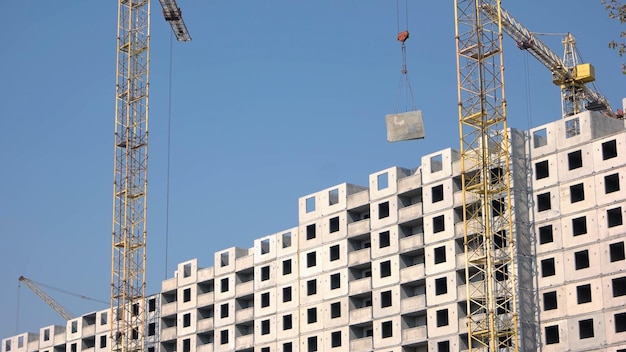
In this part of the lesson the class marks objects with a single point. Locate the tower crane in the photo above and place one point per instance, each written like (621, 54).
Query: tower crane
(568, 73)
(46, 298)
(490, 275)
(128, 257)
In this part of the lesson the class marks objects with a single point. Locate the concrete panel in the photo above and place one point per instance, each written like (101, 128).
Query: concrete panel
(287, 242)
(259, 337)
(384, 183)
(294, 343)
(360, 286)
(378, 311)
(187, 272)
(281, 277)
(190, 293)
(606, 232)
(568, 204)
(182, 330)
(553, 211)
(305, 297)
(359, 227)
(390, 246)
(594, 269)
(604, 198)
(405, 126)
(557, 278)
(326, 288)
(576, 343)
(384, 213)
(265, 249)
(269, 267)
(334, 227)
(455, 345)
(219, 346)
(259, 310)
(450, 295)
(328, 341)
(394, 278)
(295, 323)
(282, 303)
(306, 262)
(438, 166)
(573, 307)
(360, 197)
(307, 326)
(340, 262)
(600, 163)
(225, 260)
(562, 301)
(565, 174)
(224, 287)
(310, 242)
(609, 267)
(542, 140)
(567, 224)
(450, 261)
(551, 176)
(309, 207)
(438, 196)
(343, 319)
(616, 339)
(396, 332)
(608, 299)
(411, 182)
(557, 236)
(334, 199)
(431, 222)
(227, 308)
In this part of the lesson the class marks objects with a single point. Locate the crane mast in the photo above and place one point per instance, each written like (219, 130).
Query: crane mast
(572, 77)
(128, 274)
(489, 246)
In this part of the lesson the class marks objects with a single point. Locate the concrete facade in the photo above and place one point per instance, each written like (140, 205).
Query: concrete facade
(381, 268)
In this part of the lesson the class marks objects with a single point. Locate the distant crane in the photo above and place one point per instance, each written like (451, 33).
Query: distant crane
(572, 76)
(46, 298)
(128, 276)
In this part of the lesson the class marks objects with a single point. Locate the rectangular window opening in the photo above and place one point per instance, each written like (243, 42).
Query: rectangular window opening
(611, 183)
(575, 160)
(579, 226)
(442, 317)
(441, 286)
(440, 254)
(543, 201)
(545, 234)
(382, 181)
(581, 259)
(552, 334)
(585, 329)
(547, 267)
(333, 196)
(334, 252)
(437, 193)
(385, 268)
(335, 310)
(311, 287)
(572, 127)
(609, 150)
(384, 239)
(333, 224)
(310, 204)
(439, 224)
(619, 286)
(577, 193)
(310, 232)
(550, 300)
(386, 329)
(616, 251)
(383, 210)
(287, 267)
(542, 170)
(614, 217)
(540, 138)
(583, 294)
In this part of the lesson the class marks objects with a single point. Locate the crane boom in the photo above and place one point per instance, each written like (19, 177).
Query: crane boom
(575, 93)
(130, 185)
(33, 286)
(173, 15)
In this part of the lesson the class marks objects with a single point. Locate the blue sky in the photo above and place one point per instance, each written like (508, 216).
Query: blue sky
(271, 101)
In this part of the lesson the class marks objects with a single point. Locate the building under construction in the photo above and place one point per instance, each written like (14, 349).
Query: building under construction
(383, 267)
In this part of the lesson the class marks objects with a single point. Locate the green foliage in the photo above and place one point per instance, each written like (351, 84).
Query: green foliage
(617, 10)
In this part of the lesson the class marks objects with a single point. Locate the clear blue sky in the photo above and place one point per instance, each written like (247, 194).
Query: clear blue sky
(271, 101)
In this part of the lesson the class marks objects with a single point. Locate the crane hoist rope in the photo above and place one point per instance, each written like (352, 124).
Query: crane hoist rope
(404, 86)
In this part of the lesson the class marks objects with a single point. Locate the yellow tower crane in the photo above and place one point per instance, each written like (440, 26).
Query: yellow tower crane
(490, 280)
(575, 79)
(128, 257)
(33, 286)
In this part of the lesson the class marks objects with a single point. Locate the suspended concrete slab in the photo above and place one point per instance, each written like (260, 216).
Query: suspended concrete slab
(405, 126)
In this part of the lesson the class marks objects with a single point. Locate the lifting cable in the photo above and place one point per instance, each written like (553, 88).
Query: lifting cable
(169, 148)
(404, 87)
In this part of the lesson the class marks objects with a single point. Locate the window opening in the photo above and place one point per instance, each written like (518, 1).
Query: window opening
(545, 234)
(575, 160)
(616, 251)
(547, 267)
(579, 226)
(581, 259)
(383, 181)
(550, 301)
(609, 150)
(542, 170)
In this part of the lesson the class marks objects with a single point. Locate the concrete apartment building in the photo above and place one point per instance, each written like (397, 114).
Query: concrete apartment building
(381, 268)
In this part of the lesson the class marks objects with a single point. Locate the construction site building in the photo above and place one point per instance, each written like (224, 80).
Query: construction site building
(382, 268)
